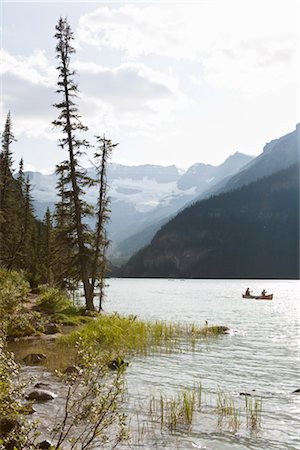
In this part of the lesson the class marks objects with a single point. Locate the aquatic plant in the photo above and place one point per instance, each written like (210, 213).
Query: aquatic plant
(128, 333)
(227, 408)
(253, 412)
(175, 413)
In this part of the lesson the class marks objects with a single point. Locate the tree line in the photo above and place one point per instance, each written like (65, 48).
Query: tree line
(62, 250)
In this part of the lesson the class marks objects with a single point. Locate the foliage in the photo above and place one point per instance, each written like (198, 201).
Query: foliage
(100, 262)
(25, 324)
(21, 235)
(13, 292)
(22, 435)
(92, 414)
(53, 301)
(120, 334)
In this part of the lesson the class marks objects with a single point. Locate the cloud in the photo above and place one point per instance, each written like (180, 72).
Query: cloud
(130, 85)
(35, 69)
(128, 97)
(240, 46)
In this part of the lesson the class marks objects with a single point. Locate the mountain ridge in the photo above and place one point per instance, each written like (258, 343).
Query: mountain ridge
(249, 232)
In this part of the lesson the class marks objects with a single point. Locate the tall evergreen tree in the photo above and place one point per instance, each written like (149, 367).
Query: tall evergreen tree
(9, 220)
(69, 121)
(6, 163)
(47, 245)
(100, 263)
(65, 263)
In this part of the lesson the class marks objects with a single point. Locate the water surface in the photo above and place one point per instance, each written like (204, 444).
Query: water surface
(261, 357)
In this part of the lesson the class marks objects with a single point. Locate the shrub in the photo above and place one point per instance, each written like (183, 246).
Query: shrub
(20, 434)
(25, 324)
(14, 290)
(54, 301)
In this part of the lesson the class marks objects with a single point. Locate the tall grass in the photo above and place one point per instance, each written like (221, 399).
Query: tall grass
(178, 413)
(175, 413)
(253, 412)
(227, 409)
(130, 334)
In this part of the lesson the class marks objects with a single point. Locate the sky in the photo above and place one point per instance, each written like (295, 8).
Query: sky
(172, 82)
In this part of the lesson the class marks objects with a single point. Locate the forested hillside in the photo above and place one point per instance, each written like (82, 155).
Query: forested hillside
(23, 239)
(251, 232)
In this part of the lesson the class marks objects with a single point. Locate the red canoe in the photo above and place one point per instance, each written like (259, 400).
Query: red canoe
(259, 297)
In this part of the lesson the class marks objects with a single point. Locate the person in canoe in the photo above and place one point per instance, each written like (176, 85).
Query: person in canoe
(247, 293)
(263, 292)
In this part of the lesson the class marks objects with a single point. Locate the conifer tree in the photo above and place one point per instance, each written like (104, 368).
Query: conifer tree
(21, 177)
(69, 121)
(65, 264)
(100, 263)
(23, 255)
(9, 220)
(6, 163)
(47, 245)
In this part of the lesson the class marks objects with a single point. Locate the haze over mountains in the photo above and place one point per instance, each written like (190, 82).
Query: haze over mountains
(142, 197)
(249, 230)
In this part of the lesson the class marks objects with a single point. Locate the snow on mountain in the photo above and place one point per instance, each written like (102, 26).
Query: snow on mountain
(140, 195)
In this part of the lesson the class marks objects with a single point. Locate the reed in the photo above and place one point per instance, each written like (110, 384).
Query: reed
(253, 412)
(119, 333)
(227, 408)
(176, 413)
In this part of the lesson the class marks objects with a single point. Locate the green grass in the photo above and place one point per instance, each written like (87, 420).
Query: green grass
(130, 334)
(176, 413)
(181, 412)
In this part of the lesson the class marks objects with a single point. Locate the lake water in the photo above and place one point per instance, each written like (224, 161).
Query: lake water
(260, 357)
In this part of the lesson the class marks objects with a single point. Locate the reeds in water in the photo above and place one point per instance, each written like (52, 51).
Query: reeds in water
(253, 412)
(227, 409)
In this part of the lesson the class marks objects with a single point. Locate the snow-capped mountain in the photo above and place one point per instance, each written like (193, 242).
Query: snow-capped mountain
(141, 195)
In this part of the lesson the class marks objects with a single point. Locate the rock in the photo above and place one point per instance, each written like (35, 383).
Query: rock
(223, 329)
(297, 391)
(246, 394)
(41, 396)
(52, 328)
(45, 445)
(117, 363)
(7, 425)
(34, 358)
(42, 385)
(73, 370)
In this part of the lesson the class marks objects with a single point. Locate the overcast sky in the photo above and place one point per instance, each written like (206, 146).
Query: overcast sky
(172, 82)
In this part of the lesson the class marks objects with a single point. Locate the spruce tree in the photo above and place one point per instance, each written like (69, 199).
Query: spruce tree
(47, 246)
(69, 121)
(100, 263)
(6, 163)
(65, 264)
(9, 220)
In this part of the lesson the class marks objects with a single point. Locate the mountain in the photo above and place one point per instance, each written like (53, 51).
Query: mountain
(142, 197)
(203, 176)
(276, 155)
(201, 181)
(188, 187)
(208, 180)
(250, 232)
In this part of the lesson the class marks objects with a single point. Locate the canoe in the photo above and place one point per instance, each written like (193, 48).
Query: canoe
(259, 297)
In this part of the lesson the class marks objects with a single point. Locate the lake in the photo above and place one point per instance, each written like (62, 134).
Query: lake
(260, 356)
